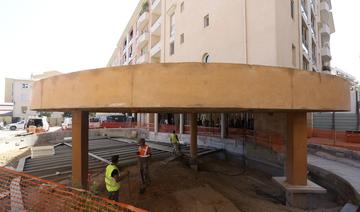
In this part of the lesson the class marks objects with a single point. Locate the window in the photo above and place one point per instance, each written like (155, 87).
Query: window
(313, 21)
(293, 51)
(131, 35)
(206, 21)
(130, 51)
(182, 7)
(172, 48)
(182, 38)
(25, 85)
(206, 58)
(313, 50)
(292, 8)
(305, 64)
(24, 109)
(305, 36)
(172, 25)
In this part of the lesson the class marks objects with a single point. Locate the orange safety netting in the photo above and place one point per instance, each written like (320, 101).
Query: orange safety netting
(23, 192)
(342, 139)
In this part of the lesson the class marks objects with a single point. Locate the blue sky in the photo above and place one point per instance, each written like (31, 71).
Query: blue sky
(71, 35)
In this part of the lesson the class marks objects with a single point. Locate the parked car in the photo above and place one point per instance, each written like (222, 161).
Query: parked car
(37, 124)
(16, 126)
(67, 124)
(94, 123)
(117, 121)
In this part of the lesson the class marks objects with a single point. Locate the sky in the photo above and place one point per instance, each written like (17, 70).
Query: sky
(63, 35)
(72, 35)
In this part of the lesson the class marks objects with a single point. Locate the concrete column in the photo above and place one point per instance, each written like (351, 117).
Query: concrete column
(138, 119)
(147, 120)
(156, 122)
(181, 123)
(193, 136)
(296, 149)
(80, 131)
(223, 125)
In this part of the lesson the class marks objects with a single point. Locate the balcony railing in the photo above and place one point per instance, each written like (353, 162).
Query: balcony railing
(305, 45)
(143, 39)
(325, 11)
(143, 20)
(304, 9)
(155, 50)
(325, 32)
(156, 6)
(156, 27)
(313, 56)
(142, 59)
(325, 53)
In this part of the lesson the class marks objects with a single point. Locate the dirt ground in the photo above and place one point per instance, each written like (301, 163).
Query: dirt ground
(217, 186)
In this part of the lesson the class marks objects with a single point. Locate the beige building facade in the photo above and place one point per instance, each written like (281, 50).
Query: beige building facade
(289, 33)
(19, 92)
(286, 33)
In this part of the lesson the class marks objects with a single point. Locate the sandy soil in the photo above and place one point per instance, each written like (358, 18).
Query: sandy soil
(218, 186)
(10, 158)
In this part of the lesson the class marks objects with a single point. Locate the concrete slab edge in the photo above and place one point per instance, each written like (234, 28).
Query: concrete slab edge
(357, 193)
(310, 188)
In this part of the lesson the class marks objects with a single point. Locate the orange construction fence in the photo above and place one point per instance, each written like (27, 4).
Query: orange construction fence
(343, 136)
(23, 192)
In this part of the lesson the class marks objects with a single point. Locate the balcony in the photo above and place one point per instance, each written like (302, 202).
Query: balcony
(325, 53)
(156, 7)
(143, 20)
(304, 10)
(142, 59)
(305, 46)
(325, 11)
(325, 32)
(156, 27)
(312, 5)
(143, 39)
(155, 50)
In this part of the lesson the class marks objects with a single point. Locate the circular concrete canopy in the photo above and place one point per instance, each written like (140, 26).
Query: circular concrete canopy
(192, 87)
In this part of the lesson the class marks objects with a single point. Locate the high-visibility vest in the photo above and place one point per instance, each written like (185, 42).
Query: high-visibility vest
(173, 138)
(143, 151)
(111, 184)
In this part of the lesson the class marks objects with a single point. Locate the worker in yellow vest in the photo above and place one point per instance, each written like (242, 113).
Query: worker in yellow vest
(174, 140)
(144, 153)
(112, 178)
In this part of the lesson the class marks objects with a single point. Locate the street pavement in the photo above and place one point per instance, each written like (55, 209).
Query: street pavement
(6, 134)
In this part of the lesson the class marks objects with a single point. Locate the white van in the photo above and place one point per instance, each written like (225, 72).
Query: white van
(37, 124)
(67, 124)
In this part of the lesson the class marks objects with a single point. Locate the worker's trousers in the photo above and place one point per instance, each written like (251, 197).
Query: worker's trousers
(144, 172)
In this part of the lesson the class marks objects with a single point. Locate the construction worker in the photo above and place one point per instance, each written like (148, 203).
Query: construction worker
(144, 153)
(174, 140)
(112, 178)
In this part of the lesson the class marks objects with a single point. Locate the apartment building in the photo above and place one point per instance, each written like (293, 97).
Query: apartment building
(287, 33)
(19, 92)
